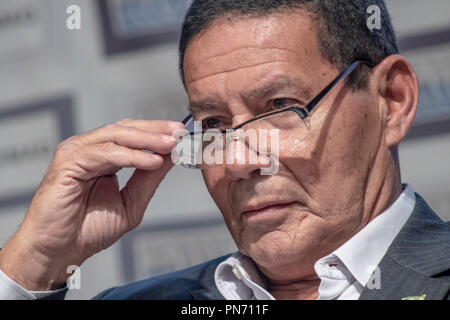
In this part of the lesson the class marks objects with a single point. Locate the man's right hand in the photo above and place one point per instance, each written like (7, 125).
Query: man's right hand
(79, 209)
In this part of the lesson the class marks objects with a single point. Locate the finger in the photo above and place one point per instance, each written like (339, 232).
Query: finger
(140, 189)
(106, 158)
(164, 127)
(130, 137)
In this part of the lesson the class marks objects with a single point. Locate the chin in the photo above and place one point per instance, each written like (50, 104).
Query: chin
(272, 249)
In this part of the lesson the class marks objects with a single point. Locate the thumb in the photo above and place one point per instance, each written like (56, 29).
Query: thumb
(140, 189)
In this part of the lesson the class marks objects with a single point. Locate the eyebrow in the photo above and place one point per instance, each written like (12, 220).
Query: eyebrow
(207, 104)
(274, 86)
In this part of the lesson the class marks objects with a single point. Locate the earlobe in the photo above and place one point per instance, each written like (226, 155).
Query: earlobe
(399, 89)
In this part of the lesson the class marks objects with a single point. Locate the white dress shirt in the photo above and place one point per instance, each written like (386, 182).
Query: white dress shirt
(10, 290)
(352, 264)
(343, 273)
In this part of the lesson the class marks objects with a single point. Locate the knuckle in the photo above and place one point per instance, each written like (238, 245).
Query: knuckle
(65, 147)
(61, 146)
(72, 139)
(113, 131)
(111, 127)
(124, 122)
(107, 147)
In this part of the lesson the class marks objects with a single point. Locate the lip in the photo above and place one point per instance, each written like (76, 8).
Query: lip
(265, 207)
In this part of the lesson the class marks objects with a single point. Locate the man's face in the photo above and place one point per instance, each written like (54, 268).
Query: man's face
(316, 201)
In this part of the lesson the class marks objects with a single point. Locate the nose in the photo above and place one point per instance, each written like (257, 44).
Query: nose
(243, 161)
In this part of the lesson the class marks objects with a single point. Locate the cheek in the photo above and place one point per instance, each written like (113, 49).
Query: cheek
(217, 186)
(348, 134)
(338, 151)
(357, 140)
(211, 178)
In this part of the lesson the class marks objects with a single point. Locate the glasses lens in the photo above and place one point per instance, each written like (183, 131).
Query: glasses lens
(267, 137)
(277, 134)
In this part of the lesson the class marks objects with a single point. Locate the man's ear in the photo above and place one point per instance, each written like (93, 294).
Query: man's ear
(398, 89)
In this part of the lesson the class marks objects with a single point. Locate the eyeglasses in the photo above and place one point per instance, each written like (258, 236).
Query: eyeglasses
(264, 137)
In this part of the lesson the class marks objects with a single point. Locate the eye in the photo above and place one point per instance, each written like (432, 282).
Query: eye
(212, 123)
(281, 103)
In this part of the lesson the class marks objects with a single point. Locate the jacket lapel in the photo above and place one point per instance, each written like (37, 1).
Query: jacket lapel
(399, 282)
(416, 259)
(210, 293)
(206, 288)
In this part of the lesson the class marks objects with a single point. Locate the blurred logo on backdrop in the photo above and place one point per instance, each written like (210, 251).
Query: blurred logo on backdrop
(21, 27)
(134, 24)
(30, 133)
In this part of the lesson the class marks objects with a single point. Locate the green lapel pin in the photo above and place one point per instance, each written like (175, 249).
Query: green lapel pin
(422, 297)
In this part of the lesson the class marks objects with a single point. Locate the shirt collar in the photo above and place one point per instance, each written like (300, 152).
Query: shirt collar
(238, 278)
(362, 253)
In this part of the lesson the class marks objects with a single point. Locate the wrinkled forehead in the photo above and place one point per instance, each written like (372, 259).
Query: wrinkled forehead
(232, 44)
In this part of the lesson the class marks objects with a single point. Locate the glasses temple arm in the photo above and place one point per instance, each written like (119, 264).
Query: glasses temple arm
(187, 120)
(344, 74)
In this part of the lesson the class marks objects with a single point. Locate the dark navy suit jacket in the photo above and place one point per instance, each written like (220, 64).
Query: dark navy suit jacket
(417, 263)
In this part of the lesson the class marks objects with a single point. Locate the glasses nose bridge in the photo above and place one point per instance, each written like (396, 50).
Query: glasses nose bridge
(248, 143)
(243, 133)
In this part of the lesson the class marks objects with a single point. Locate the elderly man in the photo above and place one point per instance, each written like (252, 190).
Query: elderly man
(333, 222)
